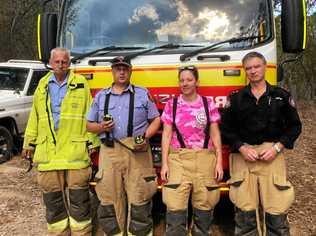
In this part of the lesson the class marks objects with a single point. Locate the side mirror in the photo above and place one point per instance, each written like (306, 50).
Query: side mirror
(47, 32)
(293, 25)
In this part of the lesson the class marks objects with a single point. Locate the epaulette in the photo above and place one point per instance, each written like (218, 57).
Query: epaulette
(233, 93)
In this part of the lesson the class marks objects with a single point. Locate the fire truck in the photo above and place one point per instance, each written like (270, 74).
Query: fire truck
(161, 36)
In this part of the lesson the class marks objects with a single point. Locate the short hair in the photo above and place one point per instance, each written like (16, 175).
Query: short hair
(58, 49)
(191, 68)
(251, 55)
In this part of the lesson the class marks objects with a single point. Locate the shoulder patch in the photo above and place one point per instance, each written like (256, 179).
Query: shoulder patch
(227, 104)
(234, 92)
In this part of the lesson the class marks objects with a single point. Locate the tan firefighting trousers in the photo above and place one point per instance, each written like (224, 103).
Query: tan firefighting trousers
(126, 180)
(260, 182)
(67, 211)
(191, 171)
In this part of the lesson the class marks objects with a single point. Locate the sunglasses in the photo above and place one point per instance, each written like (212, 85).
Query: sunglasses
(192, 68)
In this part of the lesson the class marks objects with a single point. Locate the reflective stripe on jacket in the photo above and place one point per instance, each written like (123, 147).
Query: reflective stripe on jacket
(67, 147)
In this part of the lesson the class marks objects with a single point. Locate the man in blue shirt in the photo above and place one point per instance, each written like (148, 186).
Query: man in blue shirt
(125, 117)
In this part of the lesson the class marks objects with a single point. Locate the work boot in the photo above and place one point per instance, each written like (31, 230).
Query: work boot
(201, 222)
(176, 223)
(277, 225)
(245, 223)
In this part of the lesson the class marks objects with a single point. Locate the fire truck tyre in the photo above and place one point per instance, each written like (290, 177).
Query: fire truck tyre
(6, 144)
(176, 223)
(277, 225)
(202, 220)
(246, 223)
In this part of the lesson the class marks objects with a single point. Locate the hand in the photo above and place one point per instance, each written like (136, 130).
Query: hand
(27, 153)
(268, 154)
(219, 171)
(249, 153)
(92, 150)
(106, 126)
(164, 173)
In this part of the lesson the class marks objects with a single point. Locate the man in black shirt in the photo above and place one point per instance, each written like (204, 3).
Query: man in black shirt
(258, 122)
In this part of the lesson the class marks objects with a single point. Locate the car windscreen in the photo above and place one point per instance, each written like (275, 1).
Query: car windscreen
(13, 78)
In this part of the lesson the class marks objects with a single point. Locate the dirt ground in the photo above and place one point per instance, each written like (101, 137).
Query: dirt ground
(22, 211)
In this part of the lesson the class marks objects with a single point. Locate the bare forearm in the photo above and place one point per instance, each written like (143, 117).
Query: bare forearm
(94, 127)
(153, 127)
(165, 143)
(216, 139)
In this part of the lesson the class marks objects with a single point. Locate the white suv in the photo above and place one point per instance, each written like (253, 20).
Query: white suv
(18, 81)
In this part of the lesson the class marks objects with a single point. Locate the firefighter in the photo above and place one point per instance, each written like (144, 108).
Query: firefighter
(125, 117)
(57, 129)
(258, 122)
(191, 157)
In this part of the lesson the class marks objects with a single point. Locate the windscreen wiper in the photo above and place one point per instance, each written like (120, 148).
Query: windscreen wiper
(130, 56)
(108, 49)
(185, 56)
(164, 46)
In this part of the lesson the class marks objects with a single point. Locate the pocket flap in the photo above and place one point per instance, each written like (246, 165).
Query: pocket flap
(211, 185)
(236, 180)
(150, 178)
(172, 186)
(281, 182)
(79, 139)
(40, 140)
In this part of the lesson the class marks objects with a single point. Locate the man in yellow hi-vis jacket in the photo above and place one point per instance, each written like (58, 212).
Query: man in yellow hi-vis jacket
(57, 130)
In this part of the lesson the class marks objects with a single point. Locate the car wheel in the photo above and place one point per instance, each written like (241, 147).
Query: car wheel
(6, 144)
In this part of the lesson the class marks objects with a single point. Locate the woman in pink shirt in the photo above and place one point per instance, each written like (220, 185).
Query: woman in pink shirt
(191, 157)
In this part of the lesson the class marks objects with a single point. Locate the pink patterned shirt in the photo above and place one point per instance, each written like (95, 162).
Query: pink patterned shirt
(190, 121)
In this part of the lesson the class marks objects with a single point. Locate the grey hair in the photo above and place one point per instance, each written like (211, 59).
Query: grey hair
(251, 55)
(58, 49)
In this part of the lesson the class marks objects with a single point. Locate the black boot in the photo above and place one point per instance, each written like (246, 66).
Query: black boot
(245, 223)
(176, 223)
(141, 220)
(201, 222)
(277, 225)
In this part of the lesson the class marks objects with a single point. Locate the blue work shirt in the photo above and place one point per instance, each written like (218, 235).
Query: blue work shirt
(57, 93)
(144, 110)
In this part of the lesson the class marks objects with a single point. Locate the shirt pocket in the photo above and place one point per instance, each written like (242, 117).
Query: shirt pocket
(140, 112)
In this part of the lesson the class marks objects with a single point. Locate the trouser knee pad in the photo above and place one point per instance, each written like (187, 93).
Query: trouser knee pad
(202, 220)
(277, 225)
(246, 223)
(107, 219)
(55, 207)
(176, 223)
(79, 204)
(141, 220)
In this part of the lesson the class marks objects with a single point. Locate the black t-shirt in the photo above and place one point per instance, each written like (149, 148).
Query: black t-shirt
(272, 118)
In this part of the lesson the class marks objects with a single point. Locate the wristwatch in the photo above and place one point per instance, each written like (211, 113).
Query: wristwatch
(277, 148)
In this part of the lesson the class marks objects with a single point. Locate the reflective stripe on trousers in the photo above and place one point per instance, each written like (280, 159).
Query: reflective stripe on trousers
(66, 212)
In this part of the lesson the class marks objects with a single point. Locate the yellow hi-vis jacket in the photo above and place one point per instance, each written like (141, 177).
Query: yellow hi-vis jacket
(67, 147)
